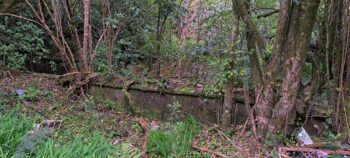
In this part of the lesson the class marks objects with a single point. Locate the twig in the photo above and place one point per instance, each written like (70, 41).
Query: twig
(251, 112)
(228, 139)
(244, 127)
(282, 154)
(210, 151)
(312, 150)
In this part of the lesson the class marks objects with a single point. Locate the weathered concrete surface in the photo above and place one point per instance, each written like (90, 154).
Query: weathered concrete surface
(154, 104)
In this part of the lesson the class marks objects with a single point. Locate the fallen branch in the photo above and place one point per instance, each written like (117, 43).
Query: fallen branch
(316, 145)
(209, 151)
(268, 14)
(312, 150)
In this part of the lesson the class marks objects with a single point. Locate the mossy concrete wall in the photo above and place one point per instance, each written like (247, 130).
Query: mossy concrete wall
(153, 104)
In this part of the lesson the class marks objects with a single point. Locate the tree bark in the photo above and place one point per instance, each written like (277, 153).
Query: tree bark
(87, 33)
(294, 62)
(254, 63)
(228, 98)
(265, 103)
(333, 50)
(243, 12)
(345, 73)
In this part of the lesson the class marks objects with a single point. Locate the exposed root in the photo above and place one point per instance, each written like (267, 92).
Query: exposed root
(144, 124)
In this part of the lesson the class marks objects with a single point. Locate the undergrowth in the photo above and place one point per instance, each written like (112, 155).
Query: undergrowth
(176, 141)
(15, 128)
(95, 147)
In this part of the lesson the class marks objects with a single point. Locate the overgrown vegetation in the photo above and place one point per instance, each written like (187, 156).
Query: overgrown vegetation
(286, 60)
(15, 128)
(174, 141)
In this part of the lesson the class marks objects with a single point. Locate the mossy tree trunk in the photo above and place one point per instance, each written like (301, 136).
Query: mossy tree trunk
(299, 37)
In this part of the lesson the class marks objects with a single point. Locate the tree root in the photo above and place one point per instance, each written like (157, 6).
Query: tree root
(144, 124)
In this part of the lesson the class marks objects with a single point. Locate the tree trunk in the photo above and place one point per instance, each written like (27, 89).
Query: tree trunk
(254, 62)
(86, 35)
(345, 72)
(228, 98)
(227, 105)
(265, 103)
(294, 62)
(333, 49)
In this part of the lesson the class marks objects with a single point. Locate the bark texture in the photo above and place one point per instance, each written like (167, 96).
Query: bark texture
(294, 62)
(87, 33)
(265, 103)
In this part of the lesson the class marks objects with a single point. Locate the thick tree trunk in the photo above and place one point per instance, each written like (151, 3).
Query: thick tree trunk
(265, 103)
(294, 62)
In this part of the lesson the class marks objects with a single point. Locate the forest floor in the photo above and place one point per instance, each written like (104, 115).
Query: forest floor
(46, 101)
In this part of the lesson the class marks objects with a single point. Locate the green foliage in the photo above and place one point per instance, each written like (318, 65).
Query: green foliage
(276, 138)
(22, 40)
(174, 109)
(13, 127)
(94, 147)
(175, 141)
(226, 69)
(307, 73)
(53, 66)
(125, 150)
(17, 141)
(32, 94)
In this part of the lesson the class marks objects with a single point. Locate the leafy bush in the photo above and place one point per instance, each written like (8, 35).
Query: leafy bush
(174, 109)
(32, 94)
(174, 142)
(20, 41)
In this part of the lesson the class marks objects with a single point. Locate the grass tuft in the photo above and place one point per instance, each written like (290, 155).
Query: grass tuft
(175, 141)
(13, 127)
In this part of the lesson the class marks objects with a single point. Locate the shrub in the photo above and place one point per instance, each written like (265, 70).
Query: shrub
(20, 41)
